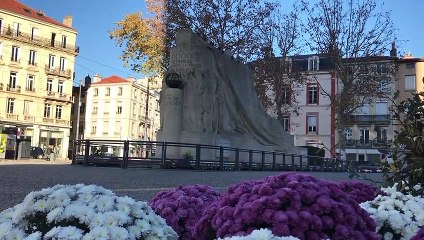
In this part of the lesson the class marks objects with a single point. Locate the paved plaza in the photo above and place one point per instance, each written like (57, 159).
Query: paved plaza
(18, 178)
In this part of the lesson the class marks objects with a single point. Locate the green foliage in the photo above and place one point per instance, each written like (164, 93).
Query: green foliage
(407, 167)
(187, 156)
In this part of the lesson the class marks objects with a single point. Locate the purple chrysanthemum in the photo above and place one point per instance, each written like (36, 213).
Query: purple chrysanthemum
(420, 235)
(289, 205)
(182, 207)
(359, 191)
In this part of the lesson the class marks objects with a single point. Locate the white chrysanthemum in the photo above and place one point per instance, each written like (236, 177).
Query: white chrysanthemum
(118, 233)
(54, 214)
(40, 205)
(15, 234)
(100, 233)
(261, 234)
(104, 203)
(34, 236)
(52, 233)
(69, 233)
(5, 229)
(388, 236)
(60, 198)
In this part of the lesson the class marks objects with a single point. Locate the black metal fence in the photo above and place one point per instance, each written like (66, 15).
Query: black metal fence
(130, 154)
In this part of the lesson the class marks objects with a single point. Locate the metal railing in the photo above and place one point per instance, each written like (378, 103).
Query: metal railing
(37, 40)
(377, 144)
(383, 119)
(130, 154)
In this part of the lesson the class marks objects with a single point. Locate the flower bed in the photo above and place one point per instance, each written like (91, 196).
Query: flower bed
(182, 207)
(289, 205)
(359, 191)
(398, 216)
(82, 212)
(261, 234)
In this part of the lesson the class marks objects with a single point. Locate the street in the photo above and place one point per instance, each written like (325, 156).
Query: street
(17, 180)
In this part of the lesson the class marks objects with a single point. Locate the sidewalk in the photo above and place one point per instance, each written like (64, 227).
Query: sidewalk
(33, 161)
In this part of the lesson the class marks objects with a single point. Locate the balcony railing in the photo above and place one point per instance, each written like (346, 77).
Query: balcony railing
(29, 118)
(14, 88)
(58, 72)
(59, 96)
(369, 119)
(12, 116)
(30, 89)
(377, 144)
(48, 120)
(39, 41)
(62, 122)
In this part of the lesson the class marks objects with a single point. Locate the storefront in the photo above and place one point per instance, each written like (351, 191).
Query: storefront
(55, 138)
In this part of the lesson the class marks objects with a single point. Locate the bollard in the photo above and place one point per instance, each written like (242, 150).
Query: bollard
(250, 159)
(221, 158)
(125, 156)
(198, 154)
(284, 162)
(86, 152)
(274, 157)
(237, 159)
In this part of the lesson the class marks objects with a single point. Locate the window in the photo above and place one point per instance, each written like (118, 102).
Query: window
(53, 39)
(364, 136)
(117, 127)
(384, 86)
(93, 129)
(13, 79)
(58, 112)
(286, 95)
(60, 87)
(62, 64)
(51, 61)
(410, 82)
(10, 105)
(28, 108)
(381, 68)
(49, 86)
(32, 57)
(348, 134)
(120, 91)
(410, 65)
(312, 123)
(63, 41)
(364, 110)
(34, 33)
(119, 110)
(96, 92)
(312, 94)
(107, 91)
(381, 134)
(1, 50)
(15, 54)
(381, 108)
(286, 123)
(17, 29)
(313, 63)
(1, 25)
(82, 108)
(47, 110)
(105, 127)
(95, 110)
(30, 83)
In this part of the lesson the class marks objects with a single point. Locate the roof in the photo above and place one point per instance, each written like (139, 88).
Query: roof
(22, 9)
(111, 80)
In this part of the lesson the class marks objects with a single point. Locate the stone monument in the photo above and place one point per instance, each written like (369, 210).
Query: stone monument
(209, 98)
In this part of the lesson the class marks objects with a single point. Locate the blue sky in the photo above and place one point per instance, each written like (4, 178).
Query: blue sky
(95, 18)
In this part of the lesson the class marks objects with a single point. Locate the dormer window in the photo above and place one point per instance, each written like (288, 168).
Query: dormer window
(313, 63)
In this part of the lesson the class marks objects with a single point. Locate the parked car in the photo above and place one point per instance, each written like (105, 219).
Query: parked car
(369, 166)
(36, 152)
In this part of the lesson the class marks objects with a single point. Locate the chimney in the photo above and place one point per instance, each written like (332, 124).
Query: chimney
(131, 79)
(97, 78)
(393, 51)
(68, 21)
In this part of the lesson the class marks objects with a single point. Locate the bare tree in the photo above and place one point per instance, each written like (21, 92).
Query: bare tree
(353, 34)
(230, 25)
(276, 77)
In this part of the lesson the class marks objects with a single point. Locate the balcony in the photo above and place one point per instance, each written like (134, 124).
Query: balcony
(48, 120)
(370, 119)
(14, 88)
(371, 144)
(58, 96)
(67, 73)
(12, 116)
(10, 33)
(30, 89)
(29, 118)
(62, 122)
